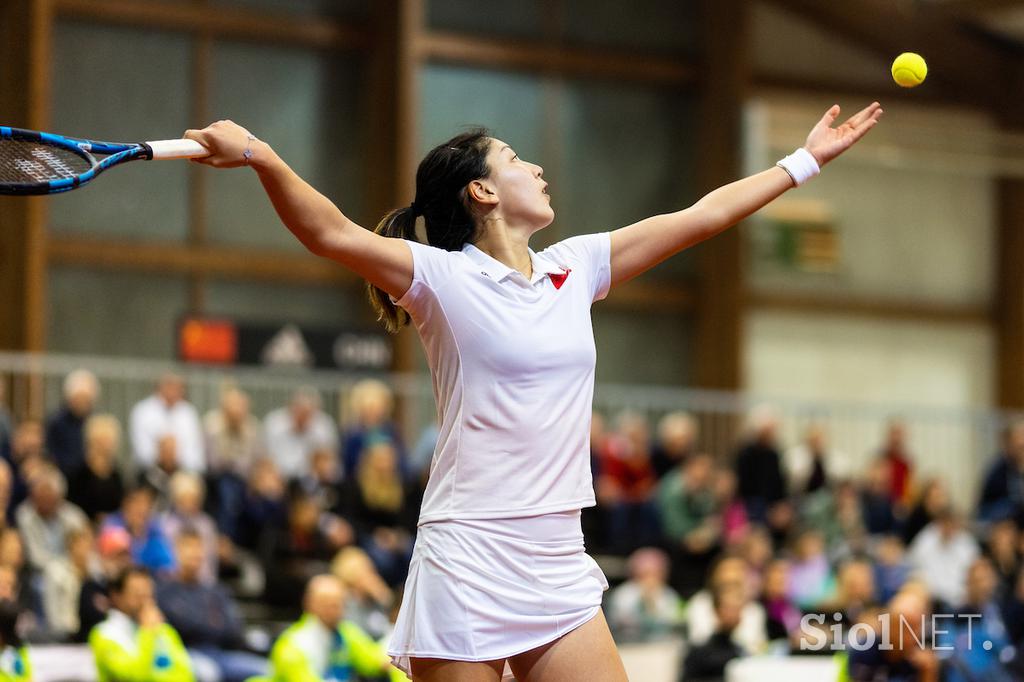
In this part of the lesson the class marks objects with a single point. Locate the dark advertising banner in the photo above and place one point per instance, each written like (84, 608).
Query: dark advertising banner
(233, 342)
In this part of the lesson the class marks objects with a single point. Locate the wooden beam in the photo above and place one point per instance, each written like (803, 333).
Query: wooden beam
(40, 73)
(380, 114)
(815, 304)
(15, 212)
(719, 318)
(205, 260)
(409, 25)
(955, 57)
(653, 296)
(221, 22)
(25, 68)
(295, 268)
(520, 55)
(974, 8)
(1009, 295)
(939, 95)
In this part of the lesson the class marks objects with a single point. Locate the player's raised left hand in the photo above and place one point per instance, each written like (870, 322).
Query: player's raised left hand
(826, 142)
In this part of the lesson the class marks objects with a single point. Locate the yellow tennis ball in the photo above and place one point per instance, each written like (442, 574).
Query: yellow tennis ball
(909, 69)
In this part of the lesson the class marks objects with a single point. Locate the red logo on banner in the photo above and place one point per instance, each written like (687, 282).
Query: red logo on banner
(208, 341)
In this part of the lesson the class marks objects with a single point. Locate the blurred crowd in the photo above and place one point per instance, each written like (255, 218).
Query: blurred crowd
(776, 549)
(205, 527)
(175, 521)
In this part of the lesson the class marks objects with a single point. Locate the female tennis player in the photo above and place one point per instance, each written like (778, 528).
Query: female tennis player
(499, 571)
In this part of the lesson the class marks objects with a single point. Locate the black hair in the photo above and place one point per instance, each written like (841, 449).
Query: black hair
(442, 200)
(118, 582)
(143, 488)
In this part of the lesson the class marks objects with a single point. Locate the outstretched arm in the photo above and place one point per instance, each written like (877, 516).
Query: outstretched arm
(312, 218)
(642, 245)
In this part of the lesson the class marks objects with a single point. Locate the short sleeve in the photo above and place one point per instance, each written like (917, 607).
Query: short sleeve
(431, 269)
(590, 254)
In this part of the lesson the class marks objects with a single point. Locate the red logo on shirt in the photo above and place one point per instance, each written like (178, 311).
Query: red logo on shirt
(559, 279)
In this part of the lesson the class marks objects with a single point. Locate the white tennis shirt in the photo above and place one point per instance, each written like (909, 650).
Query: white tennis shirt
(512, 362)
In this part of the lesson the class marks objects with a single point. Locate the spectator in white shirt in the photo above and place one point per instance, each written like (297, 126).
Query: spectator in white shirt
(167, 413)
(295, 432)
(46, 518)
(234, 439)
(941, 555)
(702, 621)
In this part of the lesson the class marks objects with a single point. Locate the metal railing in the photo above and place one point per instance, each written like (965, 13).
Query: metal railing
(953, 443)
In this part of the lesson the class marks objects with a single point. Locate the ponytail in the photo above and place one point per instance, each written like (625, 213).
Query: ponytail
(399, 223)
(443, 201)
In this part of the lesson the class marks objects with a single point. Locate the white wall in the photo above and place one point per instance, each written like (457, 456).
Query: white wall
(931, 375)
(855, 359)
(913, 203)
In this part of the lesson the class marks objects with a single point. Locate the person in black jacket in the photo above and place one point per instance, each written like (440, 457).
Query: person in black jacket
(761, 484)
(65, 438)
(301, 548)
(1002, 493)
(933, 499)
(706, 662)
(97, 488)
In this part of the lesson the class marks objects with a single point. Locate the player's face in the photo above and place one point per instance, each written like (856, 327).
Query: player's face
(520, 187)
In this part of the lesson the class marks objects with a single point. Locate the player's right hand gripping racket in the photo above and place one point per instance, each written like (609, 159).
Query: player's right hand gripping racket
(43, 163)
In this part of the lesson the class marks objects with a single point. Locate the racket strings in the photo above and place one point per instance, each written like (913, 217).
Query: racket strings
(22, 161)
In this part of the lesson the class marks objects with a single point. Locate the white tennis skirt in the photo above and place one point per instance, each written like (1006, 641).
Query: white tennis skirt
(485, 590)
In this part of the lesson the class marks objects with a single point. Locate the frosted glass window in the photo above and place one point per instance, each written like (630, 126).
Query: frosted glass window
(123, 84)
(665, 343)
(510, 104)
(300, 304)
(114, 313)
(629, 154)
(647, 25)
(306, 104)
(523, 19)
(328, 8)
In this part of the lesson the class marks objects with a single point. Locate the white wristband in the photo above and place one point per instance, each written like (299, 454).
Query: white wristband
(801, 166)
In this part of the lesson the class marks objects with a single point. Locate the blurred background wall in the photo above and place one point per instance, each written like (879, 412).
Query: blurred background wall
(892, 281)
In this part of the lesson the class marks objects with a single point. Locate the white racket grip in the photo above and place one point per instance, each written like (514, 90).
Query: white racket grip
(177, 149)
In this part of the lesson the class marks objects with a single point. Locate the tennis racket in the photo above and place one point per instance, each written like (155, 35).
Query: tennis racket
(32, 162)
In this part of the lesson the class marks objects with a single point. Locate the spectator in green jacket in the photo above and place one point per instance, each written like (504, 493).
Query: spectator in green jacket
(134, 644)
(690, 520)
(321, 646)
